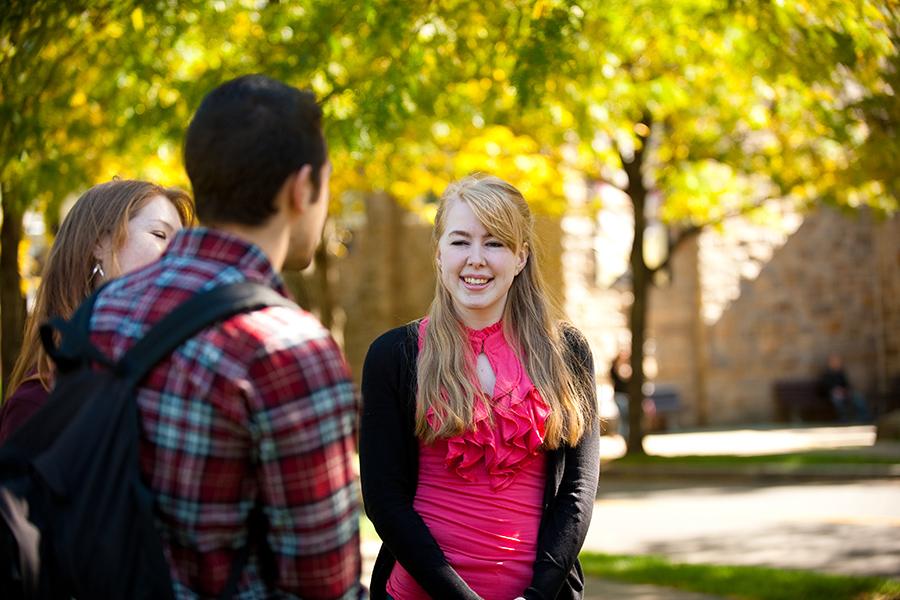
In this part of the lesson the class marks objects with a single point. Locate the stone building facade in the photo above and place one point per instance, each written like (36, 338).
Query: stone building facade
(830, 286)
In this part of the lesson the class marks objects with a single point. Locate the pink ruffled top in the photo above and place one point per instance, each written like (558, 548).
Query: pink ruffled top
(481, 493)
(519, 415)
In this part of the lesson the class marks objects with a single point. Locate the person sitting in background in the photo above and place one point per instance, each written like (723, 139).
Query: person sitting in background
(620, 376)
(849, 404)
(113, 228)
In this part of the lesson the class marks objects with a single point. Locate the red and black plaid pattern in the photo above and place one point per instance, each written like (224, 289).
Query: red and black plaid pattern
(258, 409)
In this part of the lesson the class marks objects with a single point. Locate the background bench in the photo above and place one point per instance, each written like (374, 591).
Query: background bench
(665, 408)
(801, 400)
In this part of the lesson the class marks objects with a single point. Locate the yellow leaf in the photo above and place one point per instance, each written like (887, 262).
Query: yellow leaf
(168, 96)
(78, 99)
(114, 30)
(95, 115)
(759, 117)
(137, 19)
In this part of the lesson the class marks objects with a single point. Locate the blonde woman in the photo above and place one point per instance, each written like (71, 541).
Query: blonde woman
(479, 435)
(113, 228)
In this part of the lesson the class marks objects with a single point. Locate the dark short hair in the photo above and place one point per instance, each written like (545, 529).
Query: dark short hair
(248, 135)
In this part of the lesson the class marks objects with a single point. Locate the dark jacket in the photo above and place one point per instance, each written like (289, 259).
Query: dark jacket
(389, 465)
(21, 404)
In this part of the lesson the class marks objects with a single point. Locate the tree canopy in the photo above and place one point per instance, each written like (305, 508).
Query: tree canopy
(796, 92)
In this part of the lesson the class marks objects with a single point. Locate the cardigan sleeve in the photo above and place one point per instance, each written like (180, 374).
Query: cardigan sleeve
(568, 516)
(388, 467)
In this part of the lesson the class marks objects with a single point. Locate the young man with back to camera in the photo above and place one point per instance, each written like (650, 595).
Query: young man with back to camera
(255, 415)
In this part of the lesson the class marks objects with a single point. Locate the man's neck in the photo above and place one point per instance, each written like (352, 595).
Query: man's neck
(272, 238)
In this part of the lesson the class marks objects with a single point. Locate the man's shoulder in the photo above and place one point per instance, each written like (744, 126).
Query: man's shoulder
(276, 328)
(288, 356)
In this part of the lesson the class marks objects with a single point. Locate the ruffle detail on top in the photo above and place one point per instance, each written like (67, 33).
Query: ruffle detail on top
(519, 417)
(478, 336)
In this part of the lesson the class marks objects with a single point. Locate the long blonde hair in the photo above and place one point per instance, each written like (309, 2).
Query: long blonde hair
(446, 364)
(103, 210)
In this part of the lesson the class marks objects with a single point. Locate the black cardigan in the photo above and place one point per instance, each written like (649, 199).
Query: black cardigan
(389, 467)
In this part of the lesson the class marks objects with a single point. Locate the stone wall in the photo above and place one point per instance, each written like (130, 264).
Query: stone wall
(832, 286)
(674, 328)
(888, 249)
(387, 278)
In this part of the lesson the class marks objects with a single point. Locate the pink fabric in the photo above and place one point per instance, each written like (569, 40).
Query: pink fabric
(480, 493)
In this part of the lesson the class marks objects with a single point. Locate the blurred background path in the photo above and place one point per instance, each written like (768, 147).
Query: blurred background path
(823, 517)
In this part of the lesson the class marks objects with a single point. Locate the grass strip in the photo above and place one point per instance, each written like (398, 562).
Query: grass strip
(751, 583)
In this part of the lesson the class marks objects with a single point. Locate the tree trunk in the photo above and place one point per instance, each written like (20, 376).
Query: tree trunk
(323, 280)
(396, 287)
(12, 303)
(640, 288)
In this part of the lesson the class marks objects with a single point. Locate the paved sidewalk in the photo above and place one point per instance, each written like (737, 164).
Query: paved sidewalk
(686, 515)
(822, 517)
(849, 528)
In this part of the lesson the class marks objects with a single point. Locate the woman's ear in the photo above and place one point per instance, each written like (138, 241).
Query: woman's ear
(523, 258)
(103, 250)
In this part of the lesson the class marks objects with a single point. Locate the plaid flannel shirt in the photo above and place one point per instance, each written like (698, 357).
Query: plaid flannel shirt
(258, 409)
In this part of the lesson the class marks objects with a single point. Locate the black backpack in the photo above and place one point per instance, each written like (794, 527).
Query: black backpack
(76, 521)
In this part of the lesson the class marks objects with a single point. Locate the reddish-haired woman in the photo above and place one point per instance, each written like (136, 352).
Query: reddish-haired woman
(112, 229)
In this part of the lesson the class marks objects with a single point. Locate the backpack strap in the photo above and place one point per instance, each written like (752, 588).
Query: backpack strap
(75, 338)
(192, 316)
(257, 528)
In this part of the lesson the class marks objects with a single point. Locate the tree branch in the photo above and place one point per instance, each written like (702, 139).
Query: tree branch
(696, 229)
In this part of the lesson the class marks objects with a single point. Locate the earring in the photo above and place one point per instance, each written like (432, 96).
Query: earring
(98, 270)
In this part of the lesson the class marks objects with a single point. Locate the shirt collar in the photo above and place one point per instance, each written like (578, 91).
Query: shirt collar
(490, 335)
(216, 245)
